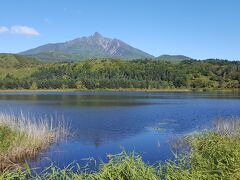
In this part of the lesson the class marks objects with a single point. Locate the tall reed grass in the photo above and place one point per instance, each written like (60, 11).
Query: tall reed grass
(22, 137)
(227, 126)
(214, 154)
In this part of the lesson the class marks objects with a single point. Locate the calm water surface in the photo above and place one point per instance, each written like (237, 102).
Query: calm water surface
(107, 122)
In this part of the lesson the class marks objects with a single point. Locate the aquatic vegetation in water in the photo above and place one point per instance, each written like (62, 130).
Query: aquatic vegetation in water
(212, 155)
(120, 166)
(22, 137)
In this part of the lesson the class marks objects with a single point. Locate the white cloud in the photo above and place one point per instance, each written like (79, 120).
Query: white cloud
(3, 29)
(25, 30)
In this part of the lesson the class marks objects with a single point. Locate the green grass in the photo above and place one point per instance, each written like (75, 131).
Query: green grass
(121, 166)
(124, 166)
(23, 138)
(7, 137)
(214, 154)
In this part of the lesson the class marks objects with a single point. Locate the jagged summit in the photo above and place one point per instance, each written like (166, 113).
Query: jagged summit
(93, 46)
(97, 34)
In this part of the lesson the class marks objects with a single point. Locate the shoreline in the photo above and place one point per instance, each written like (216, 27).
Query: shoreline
(205, 148)
(24, 138)
(119, 90)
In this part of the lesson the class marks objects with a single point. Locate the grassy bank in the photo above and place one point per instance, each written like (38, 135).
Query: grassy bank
(22, 138)
(213, 154)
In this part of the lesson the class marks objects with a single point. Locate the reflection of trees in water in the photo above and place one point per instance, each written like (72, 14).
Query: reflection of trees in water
(80, 100)
(77, 98)
(94, 133)
(101, 131)
(98, 136)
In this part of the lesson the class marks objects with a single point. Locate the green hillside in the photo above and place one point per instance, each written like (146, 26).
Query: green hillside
(56, 57)
(120, 74)
(173, 58)
(17, 65)
(17, 61)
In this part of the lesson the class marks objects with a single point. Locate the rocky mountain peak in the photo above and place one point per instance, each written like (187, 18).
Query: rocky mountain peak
(87, 47)
(97, 34)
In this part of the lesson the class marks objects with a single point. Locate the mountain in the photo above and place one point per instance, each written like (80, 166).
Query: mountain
(173, 58)
(94, 46)
(17, 61)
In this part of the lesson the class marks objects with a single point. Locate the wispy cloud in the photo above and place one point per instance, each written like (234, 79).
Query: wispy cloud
(23, 30)
(3, 29)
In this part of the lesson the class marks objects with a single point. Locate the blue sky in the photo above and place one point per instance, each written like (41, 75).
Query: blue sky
(196, 28)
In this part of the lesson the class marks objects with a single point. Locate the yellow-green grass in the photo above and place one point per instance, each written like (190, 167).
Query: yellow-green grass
(120, 167)
(214, 154)
(22, 138)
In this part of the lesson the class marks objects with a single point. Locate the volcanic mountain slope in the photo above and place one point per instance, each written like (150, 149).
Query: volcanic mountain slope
(94, 46)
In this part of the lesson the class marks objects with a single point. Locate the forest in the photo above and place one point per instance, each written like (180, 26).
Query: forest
(122, 74)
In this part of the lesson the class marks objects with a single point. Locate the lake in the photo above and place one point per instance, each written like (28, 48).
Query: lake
(105, 123)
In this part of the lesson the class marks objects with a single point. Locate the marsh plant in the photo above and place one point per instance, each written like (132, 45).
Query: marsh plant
(213, 154)
(125, 166)
(22, 137)
(229, 126)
